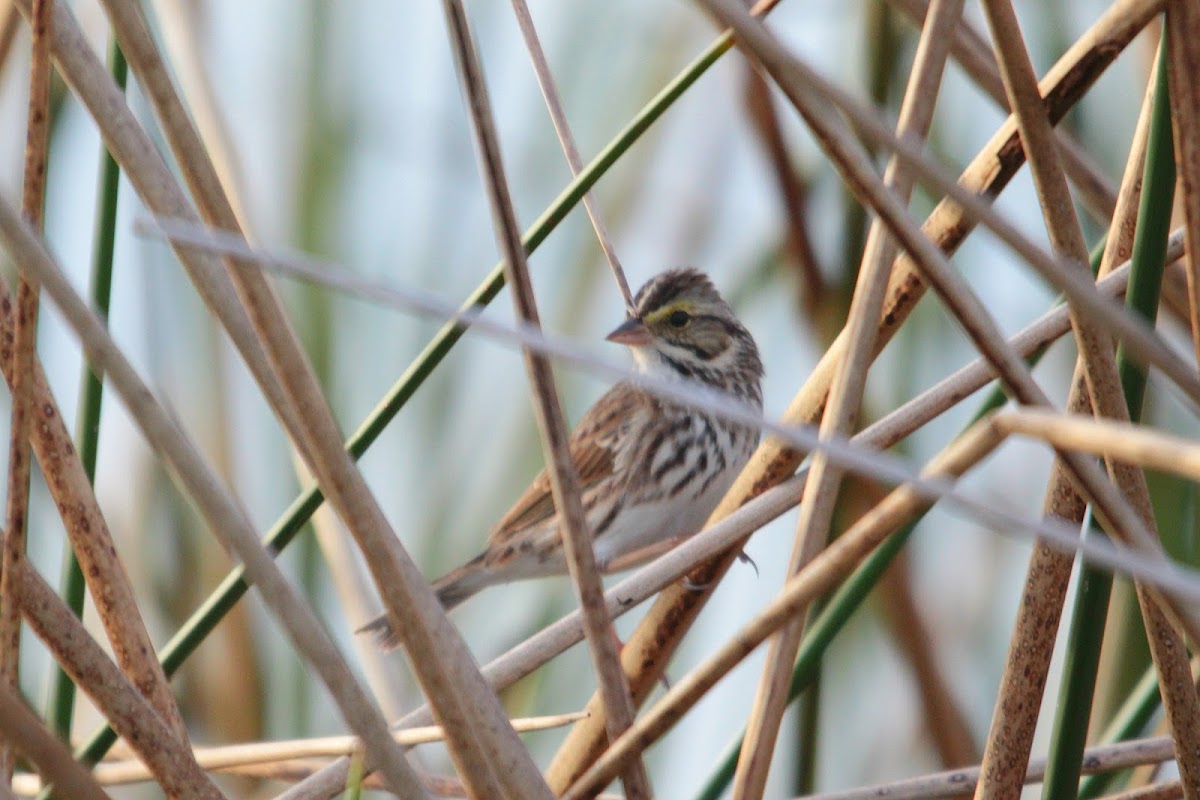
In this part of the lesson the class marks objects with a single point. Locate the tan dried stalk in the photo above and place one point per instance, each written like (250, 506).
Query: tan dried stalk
(20, 727)
(182, 26)
(391, 690)
(1114, 511)
(91, 540)
(1183, 60)
(232, 758)
(478, 728)
(1171, 790)
(845, 397)
(21, 354)
(108, 583)
(221, 513)
(1102, 758)
(1066, 237)
(152, 179)
(798, 78)
(130, 715)
(10, 21)
(150, 176)
(564, 477)
(972, 52)
(1139, 338)
(302, 769)
(760, 106)
(1114, 440)
(1007, 750)
(545, 79)
(1176, 298)
(652, 644)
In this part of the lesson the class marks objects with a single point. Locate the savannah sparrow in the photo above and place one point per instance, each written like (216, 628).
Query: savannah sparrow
(650, 470)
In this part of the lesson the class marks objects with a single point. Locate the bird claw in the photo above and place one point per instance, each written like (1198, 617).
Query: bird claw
(692, 586)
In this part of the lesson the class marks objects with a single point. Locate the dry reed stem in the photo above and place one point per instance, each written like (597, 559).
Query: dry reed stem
(130, 714)
(221, 513)
(108, 583)
(151, 179)
(478, 727)
(1183, 60)
(1146, 774)
(231, 758)
(20, 727)
(353, 590)
(438, 654)
(552, 640)
(1036, 626)
(1048, 328)
(952, 783)
(845, 397)
(1003, 761)
(972, 52)
(88, 531)
(761, 108)
(21, 352)
(180, 24)
(10, 21)
(1113, 510)
(1139, 338)
(302, 769)
(1114, 440)
(1180, 703)
(1171, 790)
(648, 650)
(564, 477)
(1007, 751)
(182, 30)
(562, 128)
(945, 720)
(821, 575)
(1176, 299)
(1096, 347)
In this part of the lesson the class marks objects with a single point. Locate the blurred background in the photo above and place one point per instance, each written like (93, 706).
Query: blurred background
(341, 130)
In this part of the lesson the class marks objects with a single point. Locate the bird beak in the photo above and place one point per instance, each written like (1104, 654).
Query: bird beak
(631, 332)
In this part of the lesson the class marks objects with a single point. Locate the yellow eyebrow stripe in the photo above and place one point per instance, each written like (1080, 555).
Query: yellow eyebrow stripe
(669, 309)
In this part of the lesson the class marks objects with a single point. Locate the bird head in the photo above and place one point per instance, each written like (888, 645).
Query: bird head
(683, 327)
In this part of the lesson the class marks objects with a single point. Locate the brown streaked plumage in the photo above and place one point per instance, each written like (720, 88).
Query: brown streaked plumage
(650, 470)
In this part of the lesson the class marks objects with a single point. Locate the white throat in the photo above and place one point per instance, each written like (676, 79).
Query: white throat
(649, 362)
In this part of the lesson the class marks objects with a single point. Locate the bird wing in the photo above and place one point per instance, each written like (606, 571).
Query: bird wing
(594, 449)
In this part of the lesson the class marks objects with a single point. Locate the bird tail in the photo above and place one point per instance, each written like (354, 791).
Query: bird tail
(451, 589)
(457, 585)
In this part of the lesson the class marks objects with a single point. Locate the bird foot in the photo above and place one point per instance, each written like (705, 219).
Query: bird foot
(745, 559)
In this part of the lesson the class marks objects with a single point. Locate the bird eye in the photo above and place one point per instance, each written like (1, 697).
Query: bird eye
(679, 318)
